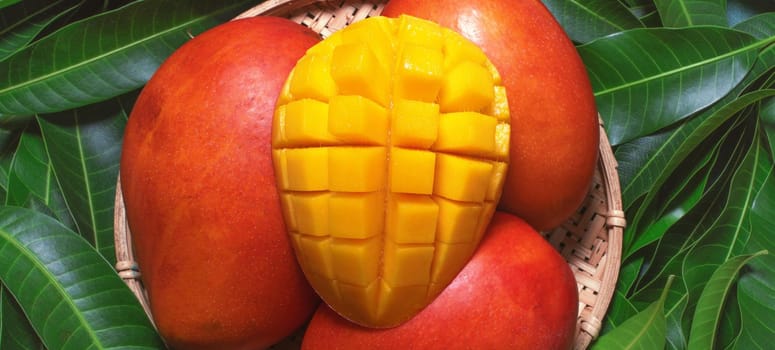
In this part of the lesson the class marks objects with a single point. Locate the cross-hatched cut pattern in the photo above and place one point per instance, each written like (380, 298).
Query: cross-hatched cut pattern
(390, 147)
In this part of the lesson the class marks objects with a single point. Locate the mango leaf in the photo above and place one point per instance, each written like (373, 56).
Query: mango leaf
(6, 3)
(683, 196)
(732, 229)
(103, 56)
(586, 20)
(761, 26)
(85, 147)
(687, 13)
(72, 296)
(654, 156)
(711, 302)
(16, 332)
(756, 288)
(645, 330)
(647, 79)
(675, 335)
(668, 255)
(23, 22)
(31, 179)
(7, 145)
(676, 147)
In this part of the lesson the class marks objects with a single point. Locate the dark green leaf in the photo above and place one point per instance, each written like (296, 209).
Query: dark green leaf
(645, 330)
(668, 255)
(31, 181)
(687, 13)
(645, 159)
(730, 231)
(760, 26)
(85, 147)
(72, 296)
(586, 20)
(23, 22)
(674, 149)
(17, 333)
(647, 79)
(103, 56)
(711, 302)
(682, 196)
(619, 311)
(6, 3)
(756, 289)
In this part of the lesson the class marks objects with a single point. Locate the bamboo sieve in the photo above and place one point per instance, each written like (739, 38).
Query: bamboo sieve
(590, 240)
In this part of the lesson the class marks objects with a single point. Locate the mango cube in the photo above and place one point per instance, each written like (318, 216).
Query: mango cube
(356, 169)
(419, 73)
(353, 260)
(467, 133)
(357, 120)
(355, 215)
(467, 87)
(407, 265)
(357, 71)
(412, 219)
(470, 182)
(311, 78)
(415, 124)
(406, 164)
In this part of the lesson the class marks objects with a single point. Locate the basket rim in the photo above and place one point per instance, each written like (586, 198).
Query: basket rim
(590, 317)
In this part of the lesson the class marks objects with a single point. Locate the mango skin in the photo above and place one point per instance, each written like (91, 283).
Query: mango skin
(516, 292)
(555, 128)
(199, 188)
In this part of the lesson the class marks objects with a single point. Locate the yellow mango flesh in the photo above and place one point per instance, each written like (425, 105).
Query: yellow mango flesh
(390, 146)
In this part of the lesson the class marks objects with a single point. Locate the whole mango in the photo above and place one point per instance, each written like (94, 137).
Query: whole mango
(199, 188)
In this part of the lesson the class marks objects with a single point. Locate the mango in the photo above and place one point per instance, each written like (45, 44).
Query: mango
(390, 147)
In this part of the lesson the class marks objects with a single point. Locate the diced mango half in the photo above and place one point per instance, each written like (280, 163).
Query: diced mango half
(390, 147)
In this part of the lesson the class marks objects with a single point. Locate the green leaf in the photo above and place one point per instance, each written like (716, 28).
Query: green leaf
(17, 333)
(586, 20)
(665, 158)
(85, 149)
(683, 196)
(732, 229)
(645, 330)
(668, 255)
(760, 26)
(687, 13)
(103, 56)
(643, 160)
(31, 179)
(756, 288)
(6, 3)
(72, 296)
(711, 302)
(647, 79)
(23, 22)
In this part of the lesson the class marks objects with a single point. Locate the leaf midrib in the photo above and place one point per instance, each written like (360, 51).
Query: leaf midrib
(8, 237)
(87, 182)
(109, 53)
(684, 68)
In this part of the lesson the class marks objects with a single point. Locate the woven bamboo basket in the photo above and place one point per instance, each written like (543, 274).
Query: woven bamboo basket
(590, 240)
